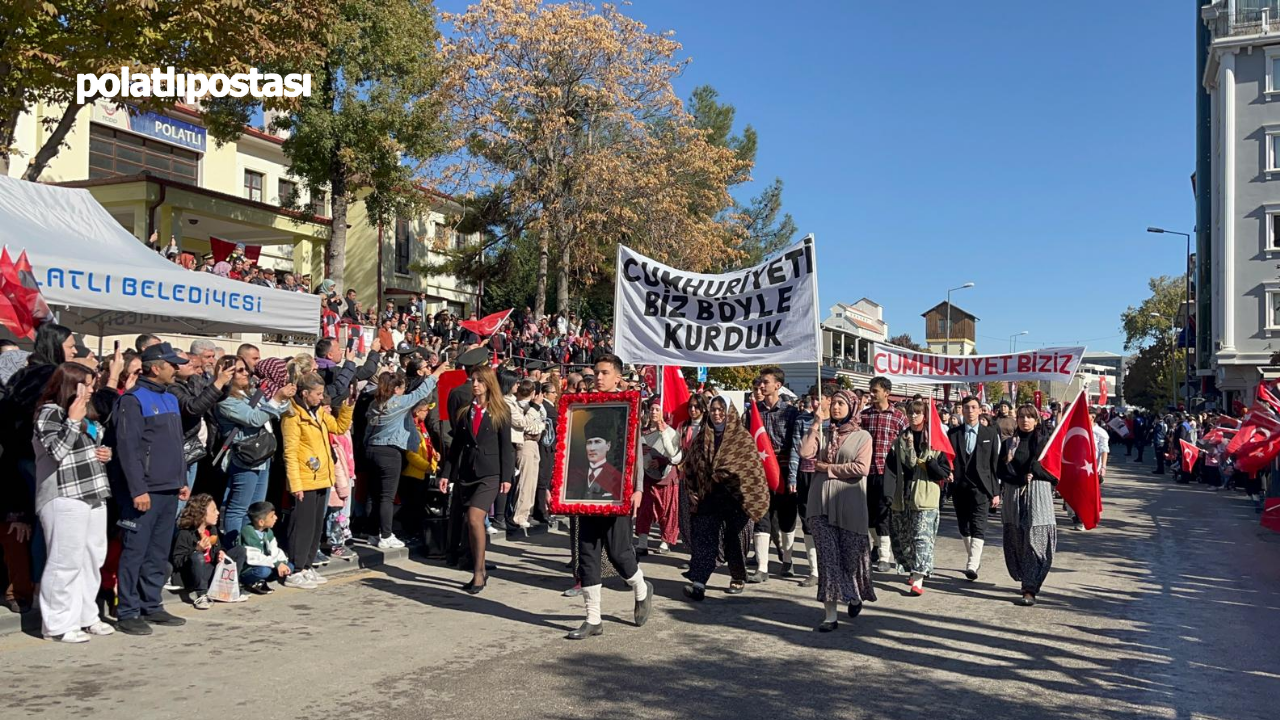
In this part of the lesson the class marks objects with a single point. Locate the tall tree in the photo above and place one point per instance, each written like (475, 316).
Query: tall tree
(766, 228)
(905, 340)
(571, 110)
(45, 44)
(1151, 329)
(374, 118)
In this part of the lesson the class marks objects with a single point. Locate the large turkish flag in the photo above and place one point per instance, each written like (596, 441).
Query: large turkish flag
(1071, 456)
(764, 448)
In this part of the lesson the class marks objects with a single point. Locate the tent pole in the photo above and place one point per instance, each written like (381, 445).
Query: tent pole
(102, 327)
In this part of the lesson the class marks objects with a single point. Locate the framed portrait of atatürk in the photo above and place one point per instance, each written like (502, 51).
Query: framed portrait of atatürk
(596, 435)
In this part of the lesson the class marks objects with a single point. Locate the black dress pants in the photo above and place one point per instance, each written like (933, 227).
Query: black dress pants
(613, 536)
(305, 525)
(879, 505)
(973, 505)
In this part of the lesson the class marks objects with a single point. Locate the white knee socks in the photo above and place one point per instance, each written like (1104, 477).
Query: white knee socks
(788, 542)
(886, 550)
(637, 584)
(591, 595)
(812, 553)
(762, 551)
(975, 554)
(832, 609)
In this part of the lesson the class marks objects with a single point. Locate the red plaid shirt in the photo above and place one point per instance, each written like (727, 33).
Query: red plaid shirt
(885, 426)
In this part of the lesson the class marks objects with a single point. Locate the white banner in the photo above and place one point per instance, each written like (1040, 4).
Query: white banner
(761, 315)
(1054, 364)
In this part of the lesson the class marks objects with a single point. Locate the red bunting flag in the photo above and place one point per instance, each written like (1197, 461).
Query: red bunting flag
(938, 439)
(1071, 456)
(487, 325)
(764, 447)
(1190, 453)
(22, 307)
(675, 396)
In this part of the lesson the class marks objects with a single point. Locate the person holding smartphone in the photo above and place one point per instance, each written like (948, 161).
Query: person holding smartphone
(71, 496)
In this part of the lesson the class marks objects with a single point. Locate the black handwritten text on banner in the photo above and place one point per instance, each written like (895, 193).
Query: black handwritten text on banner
(1055, 364)
(763, 314)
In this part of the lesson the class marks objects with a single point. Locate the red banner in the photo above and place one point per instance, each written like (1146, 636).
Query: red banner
(223, 249)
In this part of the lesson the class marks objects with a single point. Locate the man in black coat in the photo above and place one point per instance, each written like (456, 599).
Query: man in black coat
(974, 482)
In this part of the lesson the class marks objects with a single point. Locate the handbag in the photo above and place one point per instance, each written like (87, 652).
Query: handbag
(225, 586)
(194, 450)
(252, 451)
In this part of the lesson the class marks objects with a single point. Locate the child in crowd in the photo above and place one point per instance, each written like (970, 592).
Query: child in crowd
(196, 551)
(337, 517)
(264, 560)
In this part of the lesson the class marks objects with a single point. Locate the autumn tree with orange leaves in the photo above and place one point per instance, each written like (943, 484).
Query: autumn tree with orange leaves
(568, 110)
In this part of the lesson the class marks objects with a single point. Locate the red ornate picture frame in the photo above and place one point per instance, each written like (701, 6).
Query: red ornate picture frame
(580, 486)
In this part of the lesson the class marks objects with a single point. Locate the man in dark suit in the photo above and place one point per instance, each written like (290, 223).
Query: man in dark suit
(974, 482)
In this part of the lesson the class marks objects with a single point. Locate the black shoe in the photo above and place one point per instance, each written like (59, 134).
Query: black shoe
(165, 618)
(735, 589)
(854, 610)
(1026, 601)
(260, 588)
(587, 630)
(971, 574)
(568, 565)
(685, 574)
(499, 525)
(643, 606)
(811, 581)
(133, 626)
(758, 577)
(828, 626)
(788, 570)
(884, 567)
(694, 593)
(475, 589)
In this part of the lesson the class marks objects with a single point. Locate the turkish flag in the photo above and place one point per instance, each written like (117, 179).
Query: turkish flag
(675, 396)
(1190, 453)
(764, 447)
(487, 325)
(982, 394)
(445, 385)
(938, 439)
(1258, 443)
(1071, 456)
(22, 307)
(223, 249)
(1102, 390)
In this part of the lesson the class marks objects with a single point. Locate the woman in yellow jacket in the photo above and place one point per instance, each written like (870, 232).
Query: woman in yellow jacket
(309, 467)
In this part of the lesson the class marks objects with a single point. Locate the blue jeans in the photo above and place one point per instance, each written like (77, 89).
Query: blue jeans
(244, 487)
(257, 573)
(191, 481)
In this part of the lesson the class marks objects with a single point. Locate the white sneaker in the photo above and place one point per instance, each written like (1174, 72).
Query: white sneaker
(491, 530)
(315, 577)
(72, 636)
(100, 628)
(202, 603)
(663, 547)
(299, 580)
(390, 542)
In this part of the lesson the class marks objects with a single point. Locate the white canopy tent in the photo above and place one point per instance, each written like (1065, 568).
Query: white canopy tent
(100, 279)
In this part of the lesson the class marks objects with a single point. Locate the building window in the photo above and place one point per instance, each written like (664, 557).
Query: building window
(404, 245)
(288, 191)
(445, 236)
(319, 203)
(1273, 309)
(113, 153)
(1273, 229)
(1273, 147)
(253, 185)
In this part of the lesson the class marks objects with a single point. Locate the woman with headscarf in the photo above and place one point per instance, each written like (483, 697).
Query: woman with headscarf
(915, 471)
(837, 507)
(727, 492)
(688, 431)
(1026, 496)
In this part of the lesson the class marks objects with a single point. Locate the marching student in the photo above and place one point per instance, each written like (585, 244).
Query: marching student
(885, 422)
(975, 482)
(779, 419)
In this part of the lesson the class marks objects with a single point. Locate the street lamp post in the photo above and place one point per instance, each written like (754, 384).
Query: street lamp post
(1186, 313)
(1173, 394)
(962, 287)
(1013, 340)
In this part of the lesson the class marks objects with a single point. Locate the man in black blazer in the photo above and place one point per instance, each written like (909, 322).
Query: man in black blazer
(974, 482)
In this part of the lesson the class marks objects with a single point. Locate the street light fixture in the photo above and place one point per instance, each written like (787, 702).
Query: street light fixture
(1013, 340)
(965, 286)
(1186, 288)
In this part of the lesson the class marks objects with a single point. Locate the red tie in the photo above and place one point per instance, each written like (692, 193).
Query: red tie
(477, 413)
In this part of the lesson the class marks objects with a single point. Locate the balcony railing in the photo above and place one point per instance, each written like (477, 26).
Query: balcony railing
(847, 364)
(1263, 19)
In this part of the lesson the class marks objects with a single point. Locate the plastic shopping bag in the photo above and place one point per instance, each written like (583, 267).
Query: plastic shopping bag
(225, 586)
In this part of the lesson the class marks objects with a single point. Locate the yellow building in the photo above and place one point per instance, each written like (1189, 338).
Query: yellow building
(162, 174)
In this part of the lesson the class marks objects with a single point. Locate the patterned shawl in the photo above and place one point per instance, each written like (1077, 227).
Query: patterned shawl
(736, 465)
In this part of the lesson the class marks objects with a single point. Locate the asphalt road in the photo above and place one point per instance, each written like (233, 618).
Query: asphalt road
(1168, 610)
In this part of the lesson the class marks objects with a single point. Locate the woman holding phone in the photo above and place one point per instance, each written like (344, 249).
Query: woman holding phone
(71, 494)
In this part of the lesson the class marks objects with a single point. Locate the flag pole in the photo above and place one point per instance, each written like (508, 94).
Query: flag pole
(817, 316)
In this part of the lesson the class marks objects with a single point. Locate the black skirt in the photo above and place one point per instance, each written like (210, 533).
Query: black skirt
(479, 493)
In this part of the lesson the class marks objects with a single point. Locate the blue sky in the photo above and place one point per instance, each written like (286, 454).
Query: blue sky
(1024, 147)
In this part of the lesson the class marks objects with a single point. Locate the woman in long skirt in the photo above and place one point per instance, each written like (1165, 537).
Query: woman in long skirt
(913, 473)
(1026, 496)
(837, 507)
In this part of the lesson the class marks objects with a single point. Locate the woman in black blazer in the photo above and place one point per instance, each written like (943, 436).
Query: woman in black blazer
(480, 461)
